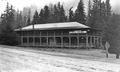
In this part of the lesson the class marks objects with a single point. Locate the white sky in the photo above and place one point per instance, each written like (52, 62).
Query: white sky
(19, 4)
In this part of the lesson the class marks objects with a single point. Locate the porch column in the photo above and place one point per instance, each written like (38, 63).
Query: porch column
(54, 40)
(98, 41)
(27, 40)
(61, 42)
(86, 41)
(78, 44)
(21, 40)
(33, 40)
(101, 42)
(40, 41)
(47, 39)
(69, 41)
(40, 38)
(94, 40)
(91, 41)
(61, 39)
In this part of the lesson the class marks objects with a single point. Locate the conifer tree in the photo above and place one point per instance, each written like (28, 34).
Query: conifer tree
(62, 14)
(35, 18)
(7, 35)
(41, 16)
(97, 18)
(108, 8)
(56, 19)
(88, 20)
(71, 15)
(51, 14)
(46, 14)
(113, 34)
(79, 13)
(19, 20)
(29, 17)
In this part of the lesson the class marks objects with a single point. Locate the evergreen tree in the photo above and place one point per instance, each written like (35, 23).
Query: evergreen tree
(103, 10)
(89, 13)
(41, 16)
(7, 35)
(56, 12)
(19, 20)
(51, 14)
(71, 15)
(113, 34)
(24, 21)
(59, 13)
(94, 14)
(62, 14)
(46, 14)
(79, 13)
(108, 8)
(29, 19)
(97, 16)
(35, 18)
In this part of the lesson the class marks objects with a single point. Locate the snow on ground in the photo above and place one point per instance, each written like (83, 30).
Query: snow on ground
(19, 60)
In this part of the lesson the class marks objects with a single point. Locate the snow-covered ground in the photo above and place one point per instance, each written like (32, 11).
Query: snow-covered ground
(25, 60)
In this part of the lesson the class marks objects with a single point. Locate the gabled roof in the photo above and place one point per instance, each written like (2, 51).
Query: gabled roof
(52, 26)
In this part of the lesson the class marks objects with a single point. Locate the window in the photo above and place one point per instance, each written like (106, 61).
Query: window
(43, 33)
(43, 40)
(82, 40)
(37, 40)
(50, 33)
(25, 40)
(30, 39)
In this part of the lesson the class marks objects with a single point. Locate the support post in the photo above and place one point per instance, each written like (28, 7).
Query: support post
(33, 41)
(47, 39)
(94, 41)
(61, 42)
(98, 42)
(40, 41)
(27, 40)
(40, 38)
(61, 39)
(86, 41)
(69, 41)
(101, 42)
(21, 40)
(55, 44)
(78, 40)
(90, 41)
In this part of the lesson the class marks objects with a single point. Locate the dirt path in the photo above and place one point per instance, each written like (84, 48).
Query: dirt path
(16, 60)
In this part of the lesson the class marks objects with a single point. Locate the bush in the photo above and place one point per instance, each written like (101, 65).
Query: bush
(9, 39)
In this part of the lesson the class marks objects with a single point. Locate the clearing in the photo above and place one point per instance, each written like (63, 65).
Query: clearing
(17, 59)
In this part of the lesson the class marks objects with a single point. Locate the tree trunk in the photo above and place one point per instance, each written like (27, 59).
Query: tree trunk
(117, 56)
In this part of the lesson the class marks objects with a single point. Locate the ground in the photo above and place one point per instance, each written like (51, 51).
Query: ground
(17, 59)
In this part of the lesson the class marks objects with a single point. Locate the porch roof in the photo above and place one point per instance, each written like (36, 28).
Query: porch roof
(53, 26)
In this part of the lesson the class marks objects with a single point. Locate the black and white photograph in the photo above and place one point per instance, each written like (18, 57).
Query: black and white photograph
(59, 35)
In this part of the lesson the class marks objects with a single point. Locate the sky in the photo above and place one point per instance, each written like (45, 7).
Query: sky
(19, 4)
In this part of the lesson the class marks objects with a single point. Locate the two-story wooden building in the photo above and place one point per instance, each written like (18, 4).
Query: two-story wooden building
(66, 34)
